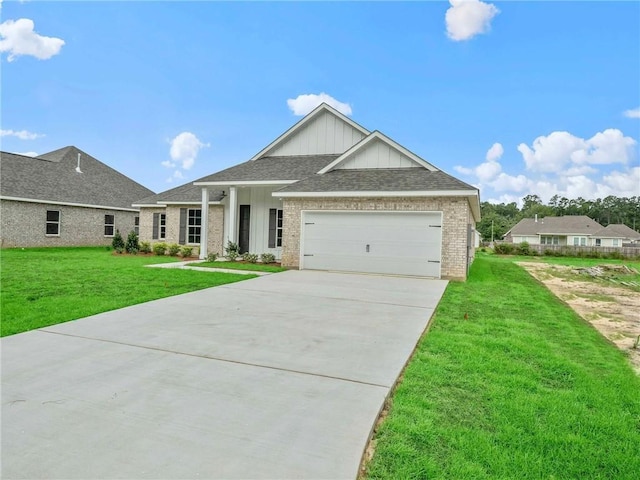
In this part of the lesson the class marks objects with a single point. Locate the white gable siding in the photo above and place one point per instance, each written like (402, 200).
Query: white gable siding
(325, 134)
(377, 154)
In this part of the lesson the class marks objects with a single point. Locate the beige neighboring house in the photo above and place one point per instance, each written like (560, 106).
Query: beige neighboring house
(570, 230)
(327, 194)
(64, 198)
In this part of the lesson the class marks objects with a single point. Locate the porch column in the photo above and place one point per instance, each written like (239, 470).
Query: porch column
(233, 208)
(204, 224)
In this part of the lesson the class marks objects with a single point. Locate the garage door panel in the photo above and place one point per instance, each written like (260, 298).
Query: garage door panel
(380, 242)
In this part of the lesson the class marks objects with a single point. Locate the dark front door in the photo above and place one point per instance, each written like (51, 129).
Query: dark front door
(243, 228)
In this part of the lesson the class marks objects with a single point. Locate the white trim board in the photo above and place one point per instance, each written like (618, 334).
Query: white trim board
(369, 194)
(248, 183)
(68, 204)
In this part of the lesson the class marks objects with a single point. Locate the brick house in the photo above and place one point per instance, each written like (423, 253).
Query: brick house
(327, 194)
(64, 198)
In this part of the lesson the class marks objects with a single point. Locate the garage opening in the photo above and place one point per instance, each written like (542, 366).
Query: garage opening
(399, 243)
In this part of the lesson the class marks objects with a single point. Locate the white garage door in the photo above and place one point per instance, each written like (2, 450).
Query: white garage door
(401, 243)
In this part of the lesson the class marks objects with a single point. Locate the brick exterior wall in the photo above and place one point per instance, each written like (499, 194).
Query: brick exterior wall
(456, 216)
(23, 224)
(215, 231)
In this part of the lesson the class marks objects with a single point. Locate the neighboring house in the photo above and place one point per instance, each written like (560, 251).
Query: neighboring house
(330, 195)
(570, 230)
(64, 198)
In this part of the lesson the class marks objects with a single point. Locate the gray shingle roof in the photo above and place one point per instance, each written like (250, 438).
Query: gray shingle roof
(617, 230)
(273, 168)
(52, 177)
(383, 180)
(566, 225)
(184, 193)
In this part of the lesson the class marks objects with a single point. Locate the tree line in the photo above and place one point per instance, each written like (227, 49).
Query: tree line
(501, 217)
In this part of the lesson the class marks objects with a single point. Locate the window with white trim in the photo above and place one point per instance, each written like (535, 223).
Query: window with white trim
(616, 242)
(136, 224)
(194, 222)
(109, 225)
(579, 241)
(52, 225)
(598, 242)
(163, 226)
(279, 229)
(549, 240)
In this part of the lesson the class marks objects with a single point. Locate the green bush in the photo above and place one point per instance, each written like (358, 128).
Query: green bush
(232, 252)
(132, 245)
(186, 251)
(174, 249)
(160, 248)
(523, 248)
(118, 243)
(250, 257)
(212, 257)
(267, 258)
(145, 247)
(504, 248)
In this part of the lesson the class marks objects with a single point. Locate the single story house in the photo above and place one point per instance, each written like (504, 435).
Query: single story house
(570, 230)
(327, 194)
(64, 198)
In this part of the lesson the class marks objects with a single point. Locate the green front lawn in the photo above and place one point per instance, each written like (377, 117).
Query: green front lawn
(254, 267)
(522, 389)
(46, 286)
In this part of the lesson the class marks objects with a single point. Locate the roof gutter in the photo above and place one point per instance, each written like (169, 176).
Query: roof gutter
(70, 204)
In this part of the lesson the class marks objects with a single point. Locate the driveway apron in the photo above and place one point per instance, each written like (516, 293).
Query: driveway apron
(281, 376)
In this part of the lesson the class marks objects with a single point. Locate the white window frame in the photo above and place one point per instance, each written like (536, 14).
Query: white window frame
(615, 242)
(162, 226)
(194, 230)
(112, 225)
(549, 240)
(579, 241)
(52, 222)
(279, 224)
(598, 242)
(136, 224)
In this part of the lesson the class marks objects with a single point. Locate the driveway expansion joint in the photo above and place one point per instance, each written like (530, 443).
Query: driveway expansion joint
(207, 357)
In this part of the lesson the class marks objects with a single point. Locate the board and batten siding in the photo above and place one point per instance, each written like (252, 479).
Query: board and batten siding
(324, 135)
(377, 154)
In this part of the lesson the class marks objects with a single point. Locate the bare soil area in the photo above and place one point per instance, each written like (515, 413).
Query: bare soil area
(612, 308)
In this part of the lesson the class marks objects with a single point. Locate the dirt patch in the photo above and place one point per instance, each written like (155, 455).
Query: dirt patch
(611, 306)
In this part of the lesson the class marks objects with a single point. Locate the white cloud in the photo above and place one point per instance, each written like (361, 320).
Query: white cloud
(509, 183)
(19, 38)
(178, 174)
(495, 152)
(185, 148)
(488, 170)
(168, 164)
(21, 134)
(303, 104)
(626, 184)
(633, 113)
(27, 154)
(559, 149)
(468, 18)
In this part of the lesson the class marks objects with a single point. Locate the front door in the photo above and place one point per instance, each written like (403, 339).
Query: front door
(243, 228)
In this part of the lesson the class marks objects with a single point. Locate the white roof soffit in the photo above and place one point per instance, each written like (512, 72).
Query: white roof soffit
(374, 193)
(306, 119)
(248, 183)
(382, 137)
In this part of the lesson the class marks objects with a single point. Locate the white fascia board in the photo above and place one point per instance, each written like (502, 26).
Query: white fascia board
(68, 204)
(243, 183)
(191, 203)
(414, 193)
(149, 205)
(380, 136)
(306, 119)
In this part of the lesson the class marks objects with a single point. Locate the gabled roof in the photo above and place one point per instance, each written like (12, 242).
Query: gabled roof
(269, 169)
(52, 178)
(184, 194)
(565, 225)
(372, 137)
(617, 230)
(323, 107)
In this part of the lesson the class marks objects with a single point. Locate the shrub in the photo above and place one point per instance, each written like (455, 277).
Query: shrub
(267, 258)
(160, 248)
(117, 243)
(132, 245)
(232, 252)
(145, 247)
(212, 257)
(186, 251)
(523, 248)
(250, 257)
(504, 248)
(174, 249)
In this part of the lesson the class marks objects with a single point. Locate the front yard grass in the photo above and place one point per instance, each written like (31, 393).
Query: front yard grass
(42, 287)
(254, 267)
(522, 389)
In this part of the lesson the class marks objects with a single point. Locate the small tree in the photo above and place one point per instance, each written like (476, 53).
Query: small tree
(117, 243)
(232, 252)
(132, 245)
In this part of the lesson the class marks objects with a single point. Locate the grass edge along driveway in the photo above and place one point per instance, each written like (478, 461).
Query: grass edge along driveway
(47, 286)
(522, 389)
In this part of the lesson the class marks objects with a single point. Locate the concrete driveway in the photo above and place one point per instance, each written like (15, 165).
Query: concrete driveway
(281, 376)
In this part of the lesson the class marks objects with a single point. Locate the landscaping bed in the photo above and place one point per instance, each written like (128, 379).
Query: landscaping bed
(240, 265)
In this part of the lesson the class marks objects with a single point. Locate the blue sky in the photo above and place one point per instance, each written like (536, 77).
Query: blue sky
(517, 98)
